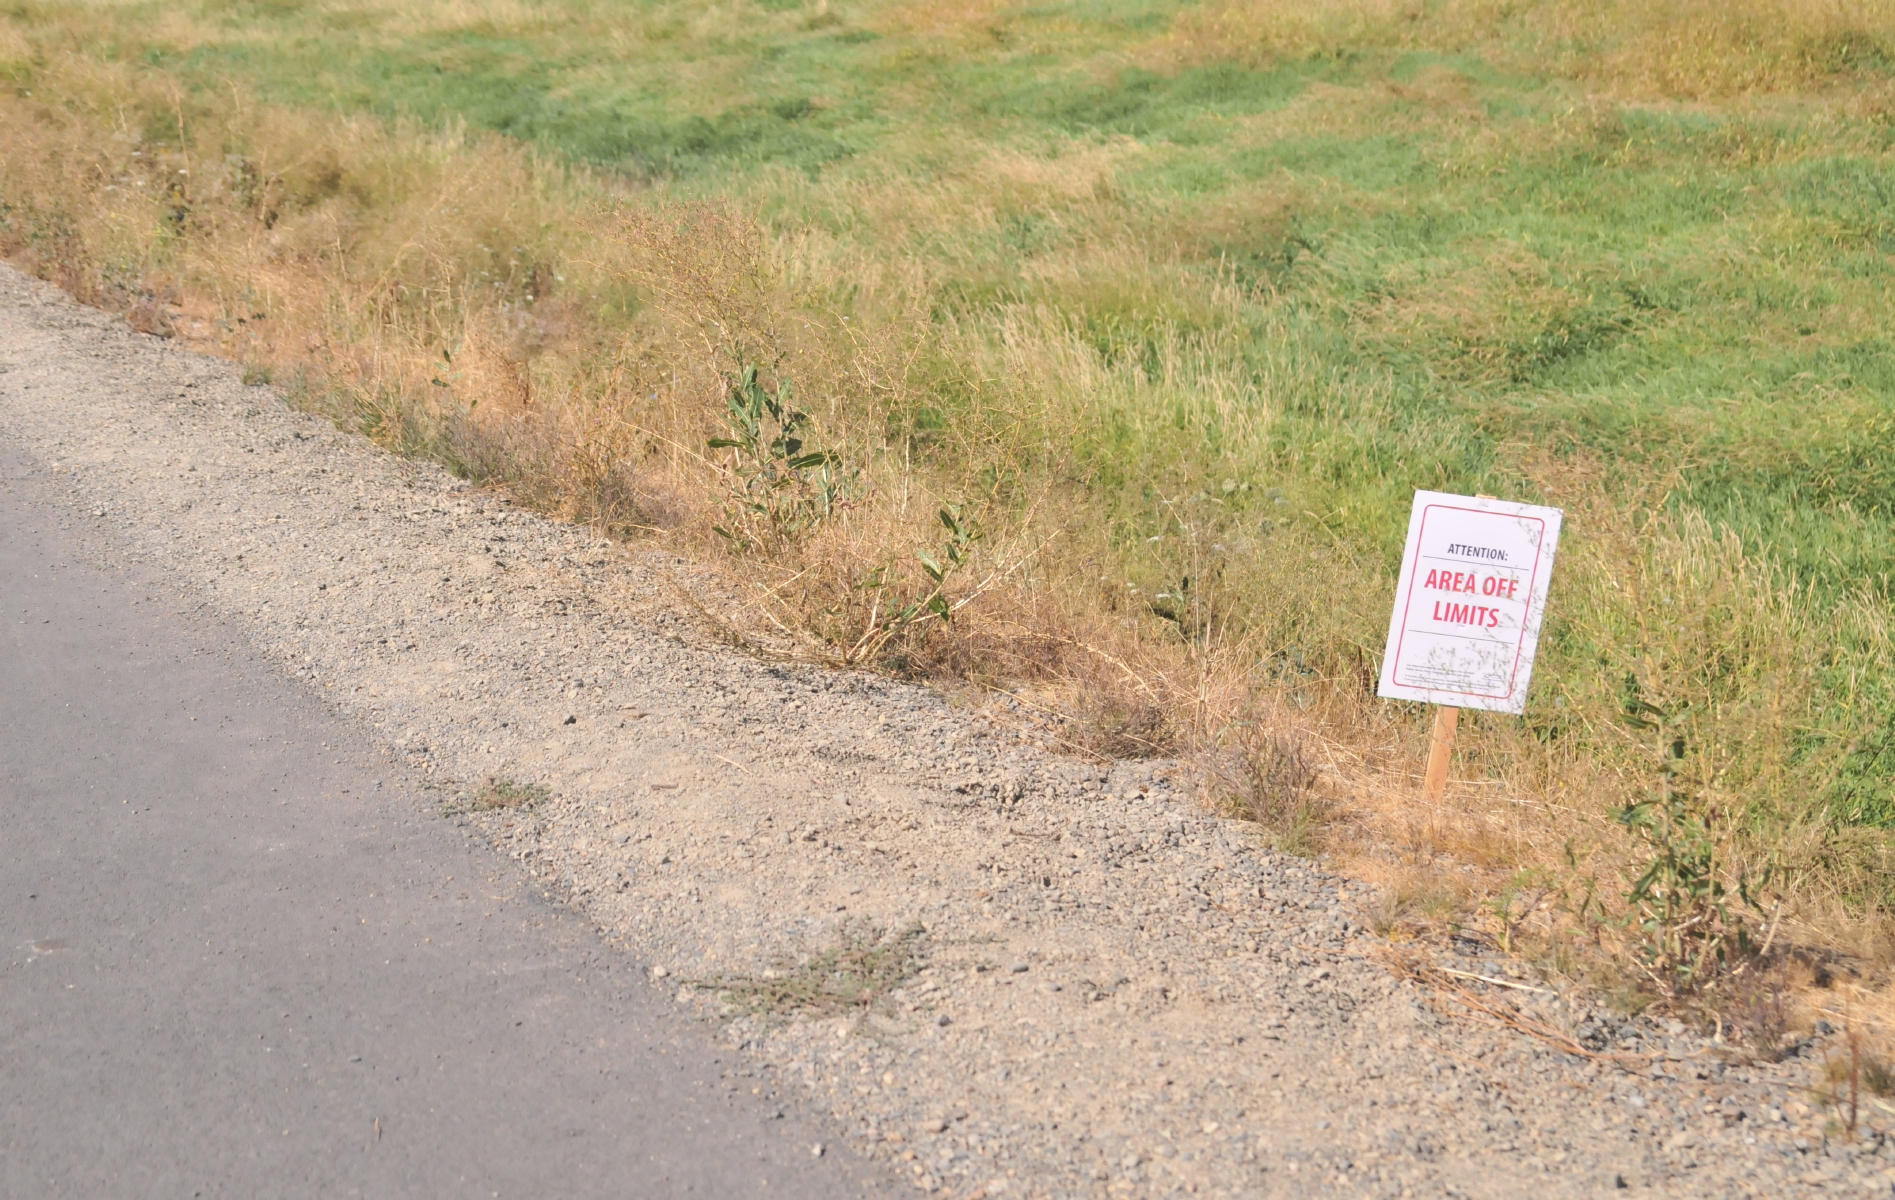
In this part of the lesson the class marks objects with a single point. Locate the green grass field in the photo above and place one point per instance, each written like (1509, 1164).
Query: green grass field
(1208, 290)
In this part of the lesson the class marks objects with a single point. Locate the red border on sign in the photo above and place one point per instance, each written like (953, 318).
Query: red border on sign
(1533, 580)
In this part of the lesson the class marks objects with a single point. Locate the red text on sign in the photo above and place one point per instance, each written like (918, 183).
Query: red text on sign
(1450, 613)
(1471, 582)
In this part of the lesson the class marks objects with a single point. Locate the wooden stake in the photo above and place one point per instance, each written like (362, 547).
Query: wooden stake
(1440, 750)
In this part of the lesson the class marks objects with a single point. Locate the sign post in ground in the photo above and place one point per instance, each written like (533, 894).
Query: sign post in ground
(1434, 781)
(1468, 607)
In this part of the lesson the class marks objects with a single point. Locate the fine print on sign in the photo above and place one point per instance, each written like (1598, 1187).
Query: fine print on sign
(1469, 603)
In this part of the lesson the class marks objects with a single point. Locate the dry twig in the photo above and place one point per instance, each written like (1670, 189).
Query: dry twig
(1439, 983)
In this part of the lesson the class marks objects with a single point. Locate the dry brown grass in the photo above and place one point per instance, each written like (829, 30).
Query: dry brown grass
(1678, 49)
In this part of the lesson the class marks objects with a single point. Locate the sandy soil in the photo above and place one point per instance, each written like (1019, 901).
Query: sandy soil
(1092, 986)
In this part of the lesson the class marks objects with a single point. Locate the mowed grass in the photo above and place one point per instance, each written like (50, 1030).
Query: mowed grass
(1181, 302)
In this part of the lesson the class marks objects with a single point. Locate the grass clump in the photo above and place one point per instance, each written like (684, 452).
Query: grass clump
(1168, 307)
(497, 794)
(851, 976)
(1268, 778)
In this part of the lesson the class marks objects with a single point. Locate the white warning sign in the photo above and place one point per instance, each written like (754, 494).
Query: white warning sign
(1469, 603)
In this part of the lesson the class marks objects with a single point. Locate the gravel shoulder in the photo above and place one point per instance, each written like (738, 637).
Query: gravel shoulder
(1101, 989)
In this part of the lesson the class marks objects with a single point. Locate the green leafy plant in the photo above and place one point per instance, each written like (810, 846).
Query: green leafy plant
(781, 487)
(889, 616)
(1691, 924)
(962, 533)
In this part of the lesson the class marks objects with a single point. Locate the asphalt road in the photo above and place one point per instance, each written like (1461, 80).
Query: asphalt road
(242, 956)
